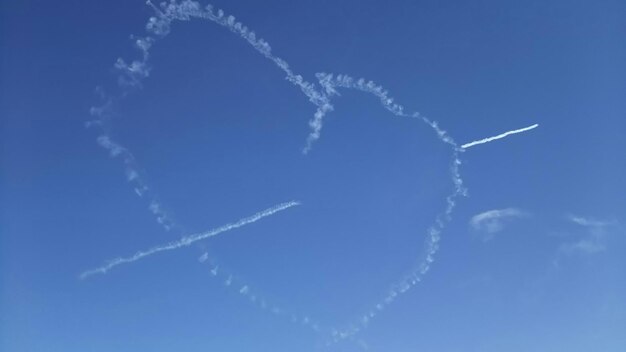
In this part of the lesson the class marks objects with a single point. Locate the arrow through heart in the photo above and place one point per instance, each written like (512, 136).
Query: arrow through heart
(321, 95)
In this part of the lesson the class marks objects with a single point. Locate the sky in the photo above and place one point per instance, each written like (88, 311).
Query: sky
(171, 182)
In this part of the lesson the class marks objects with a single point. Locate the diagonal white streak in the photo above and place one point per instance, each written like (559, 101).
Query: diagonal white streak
(500, 136)
(187, 240)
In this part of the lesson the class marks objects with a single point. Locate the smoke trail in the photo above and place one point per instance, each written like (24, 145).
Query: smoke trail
(500, 136)
(187, 240)
(102, 115)
(245, 290)
(131, 76)
(188, 9)
(316, 125)
(422, 266)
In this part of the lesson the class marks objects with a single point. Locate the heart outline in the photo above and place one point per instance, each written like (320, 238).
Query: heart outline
(133, 74)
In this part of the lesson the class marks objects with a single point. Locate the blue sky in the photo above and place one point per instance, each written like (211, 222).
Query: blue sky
(530, 258)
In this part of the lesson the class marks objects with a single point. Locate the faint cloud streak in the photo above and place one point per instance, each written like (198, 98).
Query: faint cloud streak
(592, 241)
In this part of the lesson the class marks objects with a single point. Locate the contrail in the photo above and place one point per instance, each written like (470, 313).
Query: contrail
(159, 25)
(500, 136)
(237, 286)
(187, 240)
(331, 83)
(133, 73)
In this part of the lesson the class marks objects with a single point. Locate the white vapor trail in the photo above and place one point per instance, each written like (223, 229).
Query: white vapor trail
(500, 136)
(236, 286)
(132, 74)
(187, 240)
(187, 9)
(422, 266)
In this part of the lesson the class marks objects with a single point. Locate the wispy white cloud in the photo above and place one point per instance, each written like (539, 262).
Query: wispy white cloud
(204, 257)
(493, 221)
(593, 238)
(583, 246)
(589, 222)
(500, 136)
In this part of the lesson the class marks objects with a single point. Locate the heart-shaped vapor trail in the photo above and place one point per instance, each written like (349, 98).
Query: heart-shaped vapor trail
(330, 87)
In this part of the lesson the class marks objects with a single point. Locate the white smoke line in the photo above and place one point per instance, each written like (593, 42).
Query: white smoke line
(187, 240)
(132, 74)
(102, 115)
(500, 136)
(316, 125)
(234, 285)
(187, 9)
(330, 83)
